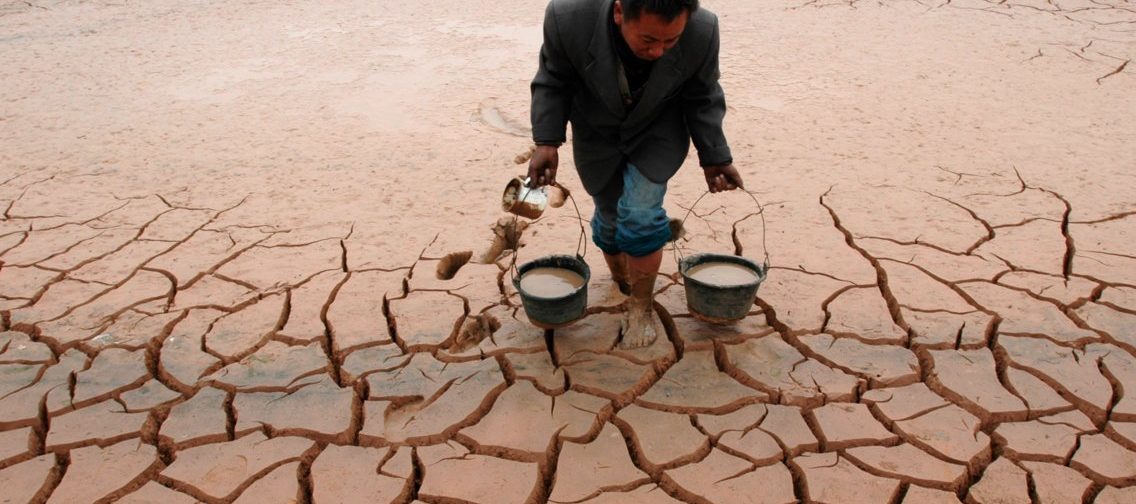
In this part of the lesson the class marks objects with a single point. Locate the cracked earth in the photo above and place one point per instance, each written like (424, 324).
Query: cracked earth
(252, 252)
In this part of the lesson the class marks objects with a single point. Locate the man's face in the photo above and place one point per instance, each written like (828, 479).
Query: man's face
(649, 35)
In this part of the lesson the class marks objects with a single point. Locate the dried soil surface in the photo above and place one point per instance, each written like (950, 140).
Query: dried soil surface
(253, 251)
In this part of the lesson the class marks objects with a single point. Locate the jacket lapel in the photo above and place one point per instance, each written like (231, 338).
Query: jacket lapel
(663, 76)
(601, 72)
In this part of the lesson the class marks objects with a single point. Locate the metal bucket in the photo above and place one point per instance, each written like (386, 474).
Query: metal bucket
(520, 199)
(719, 304)
(550, 313)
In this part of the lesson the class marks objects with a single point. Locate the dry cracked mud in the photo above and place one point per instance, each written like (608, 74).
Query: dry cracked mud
(252, 252)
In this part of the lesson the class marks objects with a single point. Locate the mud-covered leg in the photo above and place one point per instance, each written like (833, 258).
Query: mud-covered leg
(617, 263)
(640, 326)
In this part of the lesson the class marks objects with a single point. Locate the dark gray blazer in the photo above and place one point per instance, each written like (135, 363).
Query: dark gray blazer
(578, 82)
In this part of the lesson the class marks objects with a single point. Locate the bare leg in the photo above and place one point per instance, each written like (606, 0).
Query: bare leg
(617, 263)
(639, 329)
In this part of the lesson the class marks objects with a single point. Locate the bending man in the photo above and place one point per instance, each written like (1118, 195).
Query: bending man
(638, 80)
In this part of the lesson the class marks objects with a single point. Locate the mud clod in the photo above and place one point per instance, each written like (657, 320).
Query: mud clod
(451, 263)
(475, 329)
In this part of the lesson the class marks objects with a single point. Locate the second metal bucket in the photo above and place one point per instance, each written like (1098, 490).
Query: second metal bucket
(722, 304)
(719, 304)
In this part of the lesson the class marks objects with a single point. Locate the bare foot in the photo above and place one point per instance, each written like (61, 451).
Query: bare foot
(638, 326)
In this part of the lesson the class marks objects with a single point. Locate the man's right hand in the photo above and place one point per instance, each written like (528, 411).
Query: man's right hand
(542, 166)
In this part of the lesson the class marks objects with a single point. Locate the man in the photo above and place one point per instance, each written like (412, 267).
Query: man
(638, 80)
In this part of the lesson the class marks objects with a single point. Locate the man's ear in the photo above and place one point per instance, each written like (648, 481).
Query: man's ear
(618, 12)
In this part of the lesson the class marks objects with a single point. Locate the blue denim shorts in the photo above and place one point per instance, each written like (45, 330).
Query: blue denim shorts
(629, 215)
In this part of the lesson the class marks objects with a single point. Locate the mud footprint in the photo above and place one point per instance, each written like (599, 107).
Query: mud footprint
(491, 116)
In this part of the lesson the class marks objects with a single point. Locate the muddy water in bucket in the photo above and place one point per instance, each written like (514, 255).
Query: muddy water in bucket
(551, 282)
(722, 274)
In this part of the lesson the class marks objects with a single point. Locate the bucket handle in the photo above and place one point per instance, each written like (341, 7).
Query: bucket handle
(760, 212)
(581, 250)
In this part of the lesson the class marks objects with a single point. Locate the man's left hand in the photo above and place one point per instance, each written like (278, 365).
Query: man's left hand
(722, 178)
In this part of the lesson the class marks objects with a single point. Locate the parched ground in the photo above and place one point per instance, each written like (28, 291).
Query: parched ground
(247, 253)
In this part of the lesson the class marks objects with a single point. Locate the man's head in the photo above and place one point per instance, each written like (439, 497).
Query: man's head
(651, 27)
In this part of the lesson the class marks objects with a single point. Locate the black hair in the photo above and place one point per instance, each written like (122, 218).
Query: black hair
(668, 9)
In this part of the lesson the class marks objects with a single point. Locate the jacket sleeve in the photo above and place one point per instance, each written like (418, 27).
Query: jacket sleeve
(553, 86)
(704, 105)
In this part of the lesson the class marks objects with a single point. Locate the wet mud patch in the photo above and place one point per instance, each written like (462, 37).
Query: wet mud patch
(492, 117)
